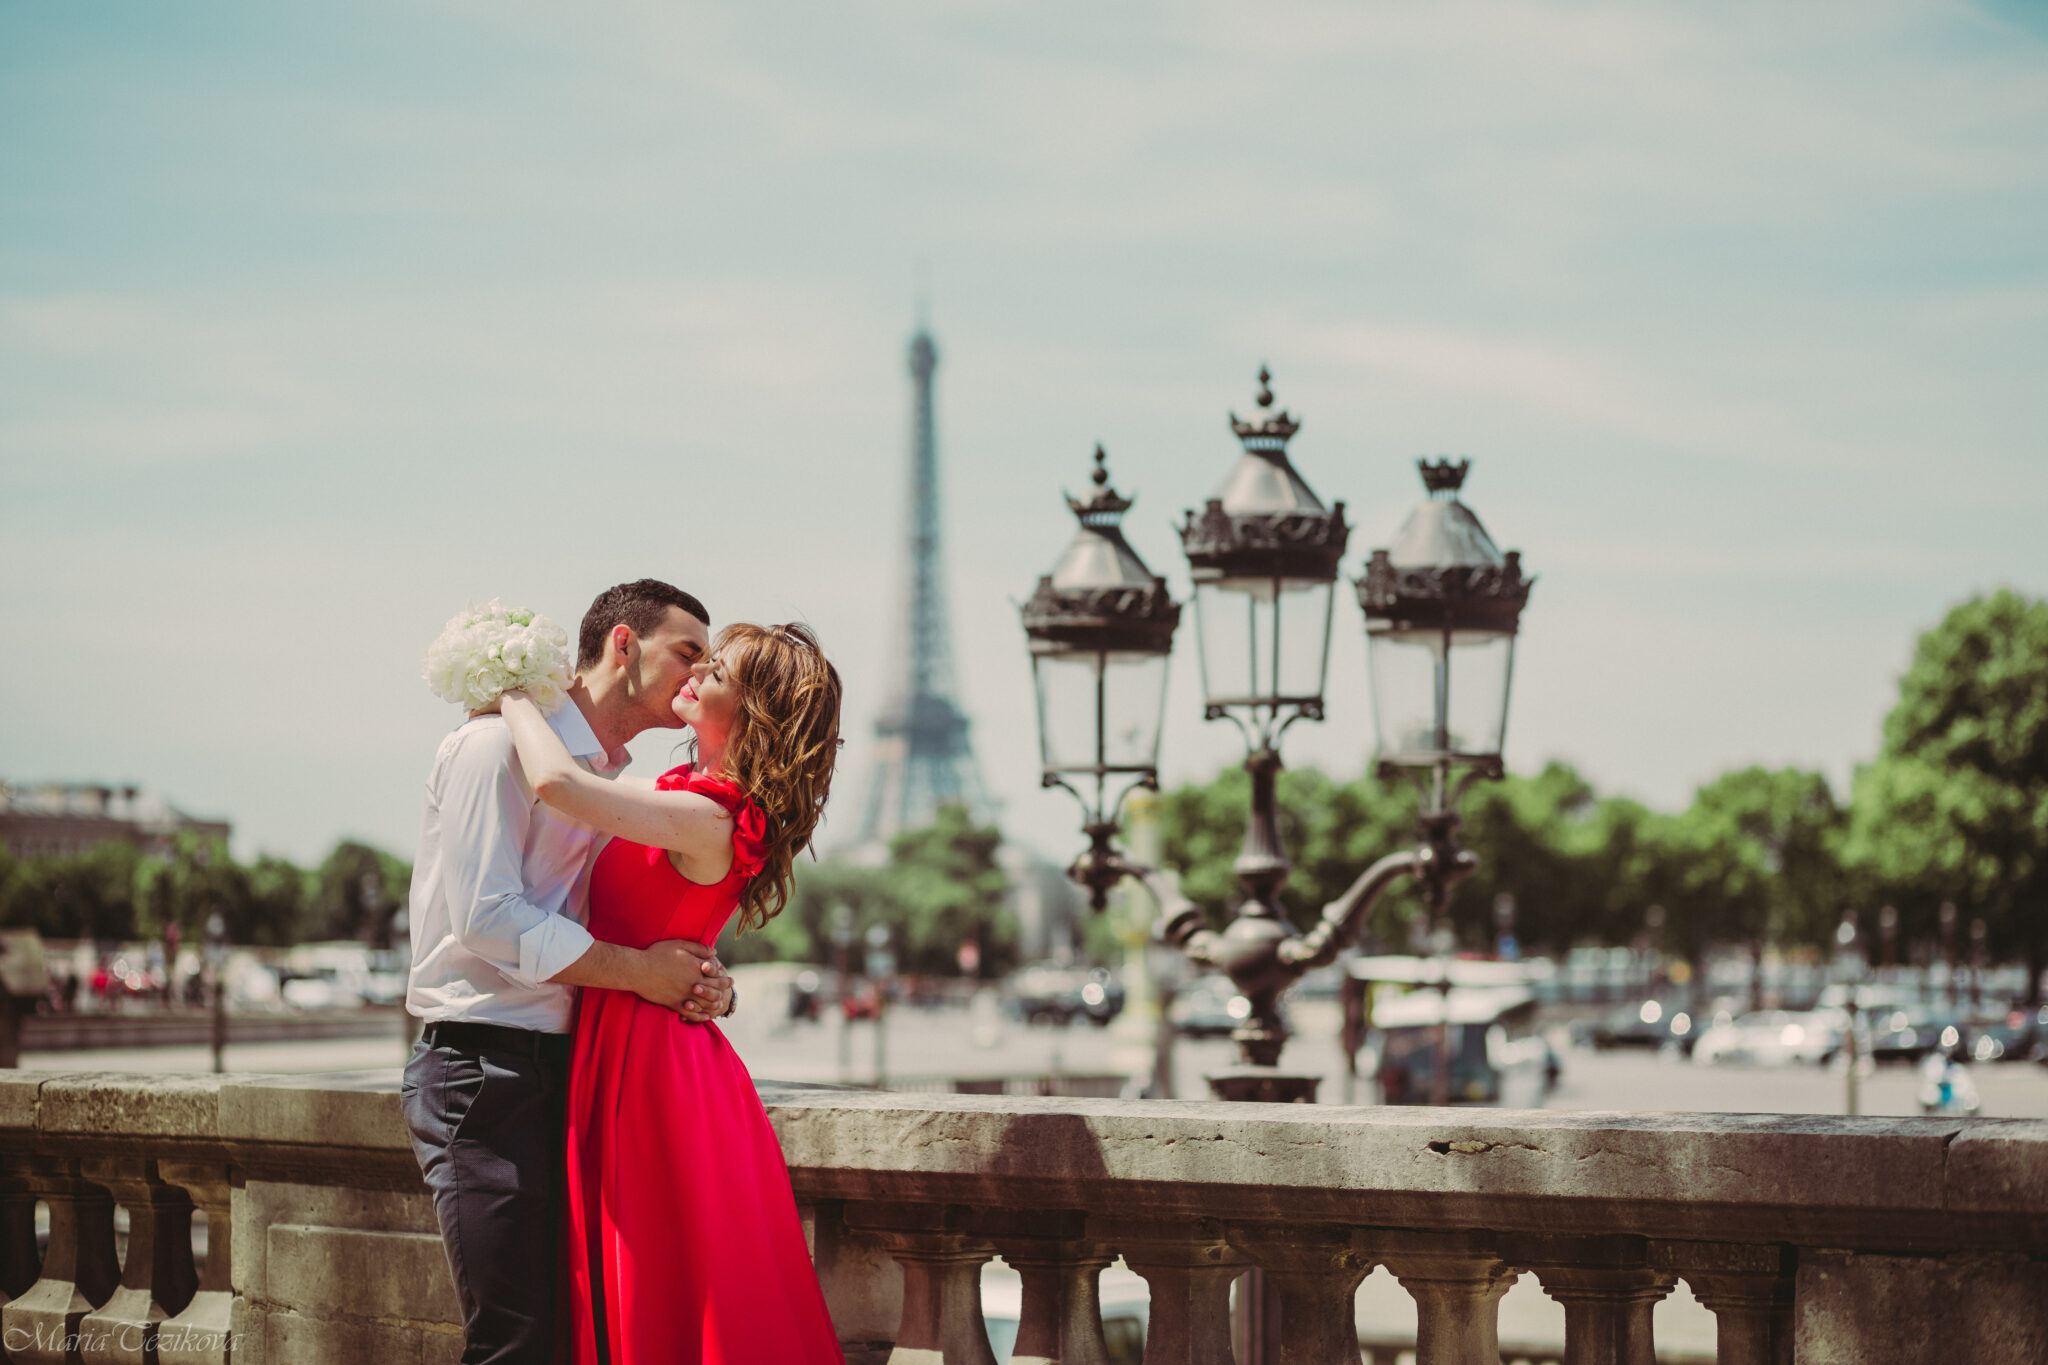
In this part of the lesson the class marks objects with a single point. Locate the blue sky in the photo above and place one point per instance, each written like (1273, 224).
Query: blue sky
(317, 321)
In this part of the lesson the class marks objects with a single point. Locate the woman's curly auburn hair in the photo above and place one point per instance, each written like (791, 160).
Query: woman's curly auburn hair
(782, 749)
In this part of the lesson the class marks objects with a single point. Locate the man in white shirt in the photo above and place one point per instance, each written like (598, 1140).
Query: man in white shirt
(499, 899)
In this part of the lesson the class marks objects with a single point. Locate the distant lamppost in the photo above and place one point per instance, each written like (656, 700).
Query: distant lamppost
(881, 966)
(1978, 960)
(1100, 629)
(1854, 967)
(217, 971)
(840, 920)
(1948, 948)
(370, 900)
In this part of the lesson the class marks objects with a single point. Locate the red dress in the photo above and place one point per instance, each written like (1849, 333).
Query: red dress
(684, 1240)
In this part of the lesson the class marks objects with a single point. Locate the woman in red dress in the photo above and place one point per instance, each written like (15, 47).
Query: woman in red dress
(684, 1240)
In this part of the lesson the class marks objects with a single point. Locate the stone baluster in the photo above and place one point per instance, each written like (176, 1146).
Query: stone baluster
(942, 1260)
(1456, 1280)
(1188, 1265)
(79, 1268)
(157, 1276)
(1314, 1272)
(863, 1286)
(1608, 1287)
(1749, 1289)
(1060, 1322)
(199, 1334)
(20, 1262)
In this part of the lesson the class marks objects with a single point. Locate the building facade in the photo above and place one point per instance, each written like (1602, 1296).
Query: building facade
(62, 819)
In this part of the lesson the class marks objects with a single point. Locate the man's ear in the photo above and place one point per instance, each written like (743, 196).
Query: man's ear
(622, 643)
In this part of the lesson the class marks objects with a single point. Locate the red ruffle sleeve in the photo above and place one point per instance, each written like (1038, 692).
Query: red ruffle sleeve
(749, 825)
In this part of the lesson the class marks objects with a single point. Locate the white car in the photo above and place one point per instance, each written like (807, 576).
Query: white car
(1770, 1038)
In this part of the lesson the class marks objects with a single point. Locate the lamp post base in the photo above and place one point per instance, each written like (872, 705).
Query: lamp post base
(1263, 1085)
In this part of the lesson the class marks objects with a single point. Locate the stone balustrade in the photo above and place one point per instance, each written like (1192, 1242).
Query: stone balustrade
(1818, 1240)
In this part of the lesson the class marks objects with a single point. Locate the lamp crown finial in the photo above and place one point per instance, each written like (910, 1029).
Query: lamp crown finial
(1107, 507)
(1445, 475)
(1269, 429)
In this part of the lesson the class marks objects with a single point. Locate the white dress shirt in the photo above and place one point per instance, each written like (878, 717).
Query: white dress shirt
(501, 884)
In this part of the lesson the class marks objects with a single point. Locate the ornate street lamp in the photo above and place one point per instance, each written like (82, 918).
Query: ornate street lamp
(1442, 597)
(1442, 606)
(1100, 627)
(1263, 554)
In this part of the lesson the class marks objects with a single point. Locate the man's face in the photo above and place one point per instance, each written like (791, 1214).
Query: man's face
(662, 665)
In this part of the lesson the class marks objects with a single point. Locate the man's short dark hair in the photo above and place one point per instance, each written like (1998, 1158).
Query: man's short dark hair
(640, 605)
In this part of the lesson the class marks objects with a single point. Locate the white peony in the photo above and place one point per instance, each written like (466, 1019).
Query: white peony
(484, 652)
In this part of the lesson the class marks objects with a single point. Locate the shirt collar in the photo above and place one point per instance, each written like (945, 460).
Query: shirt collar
(575, 731)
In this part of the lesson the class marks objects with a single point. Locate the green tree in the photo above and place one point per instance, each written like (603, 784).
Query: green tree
(941, 887)
(1955, 806)
(1538, 839)
(1769, 840)
(89, 895)
(354, 893)
(277, 893)
(946, 889)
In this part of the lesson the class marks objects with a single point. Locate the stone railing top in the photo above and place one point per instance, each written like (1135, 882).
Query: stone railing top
(1813, 1180)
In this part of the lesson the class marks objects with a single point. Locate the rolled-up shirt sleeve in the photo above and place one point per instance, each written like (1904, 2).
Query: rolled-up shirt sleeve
(486, 812)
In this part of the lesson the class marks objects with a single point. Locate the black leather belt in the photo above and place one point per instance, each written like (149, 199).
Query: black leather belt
(502, 1038)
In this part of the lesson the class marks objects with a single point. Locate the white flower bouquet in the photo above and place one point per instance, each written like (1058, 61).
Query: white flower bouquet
(485, 652)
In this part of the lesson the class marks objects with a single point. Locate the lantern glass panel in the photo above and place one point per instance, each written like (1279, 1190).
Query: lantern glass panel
(1099, 709)
(1440, 693)
(1263, 638)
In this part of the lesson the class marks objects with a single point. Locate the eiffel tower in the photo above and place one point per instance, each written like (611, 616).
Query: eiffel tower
(923, 759)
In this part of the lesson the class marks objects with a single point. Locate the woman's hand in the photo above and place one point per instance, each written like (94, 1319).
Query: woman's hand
(498, 707)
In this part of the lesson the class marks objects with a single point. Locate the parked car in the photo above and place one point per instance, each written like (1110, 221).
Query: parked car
(1058, 995)
(2015, 1036)
(1208, 1007)
(1909, 1032)
(1771, 1038)
(1651, 1023)
(319, 989)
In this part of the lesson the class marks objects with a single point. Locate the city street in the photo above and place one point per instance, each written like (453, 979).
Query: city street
(930, 1046)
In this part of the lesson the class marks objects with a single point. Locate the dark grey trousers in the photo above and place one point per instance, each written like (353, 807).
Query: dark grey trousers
(487, 1126)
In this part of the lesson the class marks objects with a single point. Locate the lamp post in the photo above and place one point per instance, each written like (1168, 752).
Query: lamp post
(1442, 608)
(370, 902)
(1948, 948)
(1100, 629)
(1978, 959)
(1441, 601)
(217, 969)
(841, 921)
(1853, 967)
(1263, 553)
